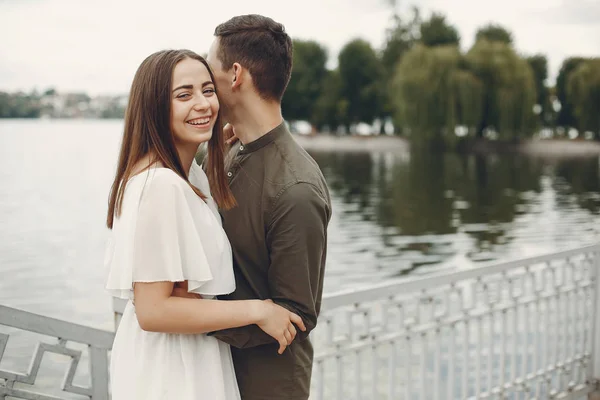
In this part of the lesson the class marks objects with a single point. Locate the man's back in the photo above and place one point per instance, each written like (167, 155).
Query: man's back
(278, 233)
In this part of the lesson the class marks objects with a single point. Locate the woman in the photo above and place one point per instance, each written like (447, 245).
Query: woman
(167, 236)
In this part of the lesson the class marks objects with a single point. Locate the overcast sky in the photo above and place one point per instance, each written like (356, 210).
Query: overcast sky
(96, 46)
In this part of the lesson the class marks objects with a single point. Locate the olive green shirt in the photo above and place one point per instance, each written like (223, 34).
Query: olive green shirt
(278, 233)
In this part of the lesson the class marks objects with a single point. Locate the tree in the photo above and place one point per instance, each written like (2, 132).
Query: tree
(400, 37)
(566, 117)
(306, 84)
(583, 90)
(19, 105)
(434, 94)
(494, 33)
(113, 110)
(437, 32)
(362, 81)
(539, 67)
(509, 89)
(331, 109)
(50, 92)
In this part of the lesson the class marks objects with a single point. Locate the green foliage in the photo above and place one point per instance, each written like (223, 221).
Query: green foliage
(494, 33)
(437, 32)
(59, 105)
(539, 67)
(469, 98)
(19, 105)
(437, 89)
(113, 110)
(306, 84)
(362, 78)
(566, 117)
(50, 92)
(583, 90)
(434, 94)
(331, 108)
(400, 37)
(509, 89)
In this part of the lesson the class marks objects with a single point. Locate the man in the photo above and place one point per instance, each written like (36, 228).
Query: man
(278, 231)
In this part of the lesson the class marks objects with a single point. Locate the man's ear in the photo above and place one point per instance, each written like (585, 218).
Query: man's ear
(237, 75)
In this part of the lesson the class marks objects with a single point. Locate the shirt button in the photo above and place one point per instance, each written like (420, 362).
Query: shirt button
(229, 174)
(241, 148)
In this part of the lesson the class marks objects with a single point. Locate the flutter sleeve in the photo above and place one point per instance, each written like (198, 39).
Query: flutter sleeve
(169, 241)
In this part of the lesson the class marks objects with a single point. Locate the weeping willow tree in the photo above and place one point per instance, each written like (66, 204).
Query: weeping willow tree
(469, 99)
(509, 92)
(583, 92)
(433, 94)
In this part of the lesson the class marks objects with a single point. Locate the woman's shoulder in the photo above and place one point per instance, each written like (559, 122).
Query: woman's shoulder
(164, 176)
(161, 179)
(159, 187)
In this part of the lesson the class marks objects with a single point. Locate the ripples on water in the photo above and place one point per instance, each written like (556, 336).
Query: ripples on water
(407, 215)
(395, 215)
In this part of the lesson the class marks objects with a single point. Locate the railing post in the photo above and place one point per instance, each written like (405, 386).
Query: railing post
(99, 368)
(595, 361)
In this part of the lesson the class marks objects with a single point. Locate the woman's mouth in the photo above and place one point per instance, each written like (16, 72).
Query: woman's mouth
(202, 122)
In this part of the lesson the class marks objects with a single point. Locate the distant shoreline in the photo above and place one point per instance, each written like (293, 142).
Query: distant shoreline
(395, 144)
(560, 148)
(553, 148)
(326, 142)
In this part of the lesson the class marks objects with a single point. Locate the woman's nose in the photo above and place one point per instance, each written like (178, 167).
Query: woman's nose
(201, 103)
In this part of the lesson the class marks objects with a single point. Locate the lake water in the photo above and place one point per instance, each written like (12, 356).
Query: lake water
(396, 216)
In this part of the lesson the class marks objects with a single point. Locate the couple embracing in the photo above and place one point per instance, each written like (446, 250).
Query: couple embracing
(222, 262)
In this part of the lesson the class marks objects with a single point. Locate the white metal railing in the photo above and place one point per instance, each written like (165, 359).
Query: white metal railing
(98, 343)
(526, 329)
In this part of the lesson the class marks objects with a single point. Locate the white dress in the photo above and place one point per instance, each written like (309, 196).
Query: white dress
(167, 233)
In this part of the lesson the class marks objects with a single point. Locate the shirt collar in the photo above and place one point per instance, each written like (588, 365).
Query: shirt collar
(264, 140)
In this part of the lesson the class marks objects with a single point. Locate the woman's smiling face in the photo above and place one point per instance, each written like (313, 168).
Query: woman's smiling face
(194, 103)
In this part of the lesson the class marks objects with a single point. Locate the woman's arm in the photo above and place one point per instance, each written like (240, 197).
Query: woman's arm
(158, 311)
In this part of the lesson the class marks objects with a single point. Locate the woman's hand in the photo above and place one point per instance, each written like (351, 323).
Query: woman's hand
(229, 133)
(278, 322)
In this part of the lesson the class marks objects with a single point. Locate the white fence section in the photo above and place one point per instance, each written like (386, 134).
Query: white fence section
(96, 343)
(527, 329)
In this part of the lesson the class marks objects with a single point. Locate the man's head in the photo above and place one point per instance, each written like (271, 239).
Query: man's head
(251, 54)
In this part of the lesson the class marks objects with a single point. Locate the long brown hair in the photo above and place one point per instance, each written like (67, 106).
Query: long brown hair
(148, 130)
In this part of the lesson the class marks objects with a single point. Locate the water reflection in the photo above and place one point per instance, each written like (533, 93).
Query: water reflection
(427, 211)
(579, 180)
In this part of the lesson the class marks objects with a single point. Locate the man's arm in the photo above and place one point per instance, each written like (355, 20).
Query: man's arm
(297, 241)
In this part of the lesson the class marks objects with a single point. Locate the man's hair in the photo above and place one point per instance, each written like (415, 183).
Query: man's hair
(263, 47)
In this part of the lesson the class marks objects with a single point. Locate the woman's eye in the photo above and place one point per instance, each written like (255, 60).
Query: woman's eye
(209, 91)
(183, 95)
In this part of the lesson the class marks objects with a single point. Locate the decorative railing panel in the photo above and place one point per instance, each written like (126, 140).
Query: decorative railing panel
(516, 330)
(93, 344)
